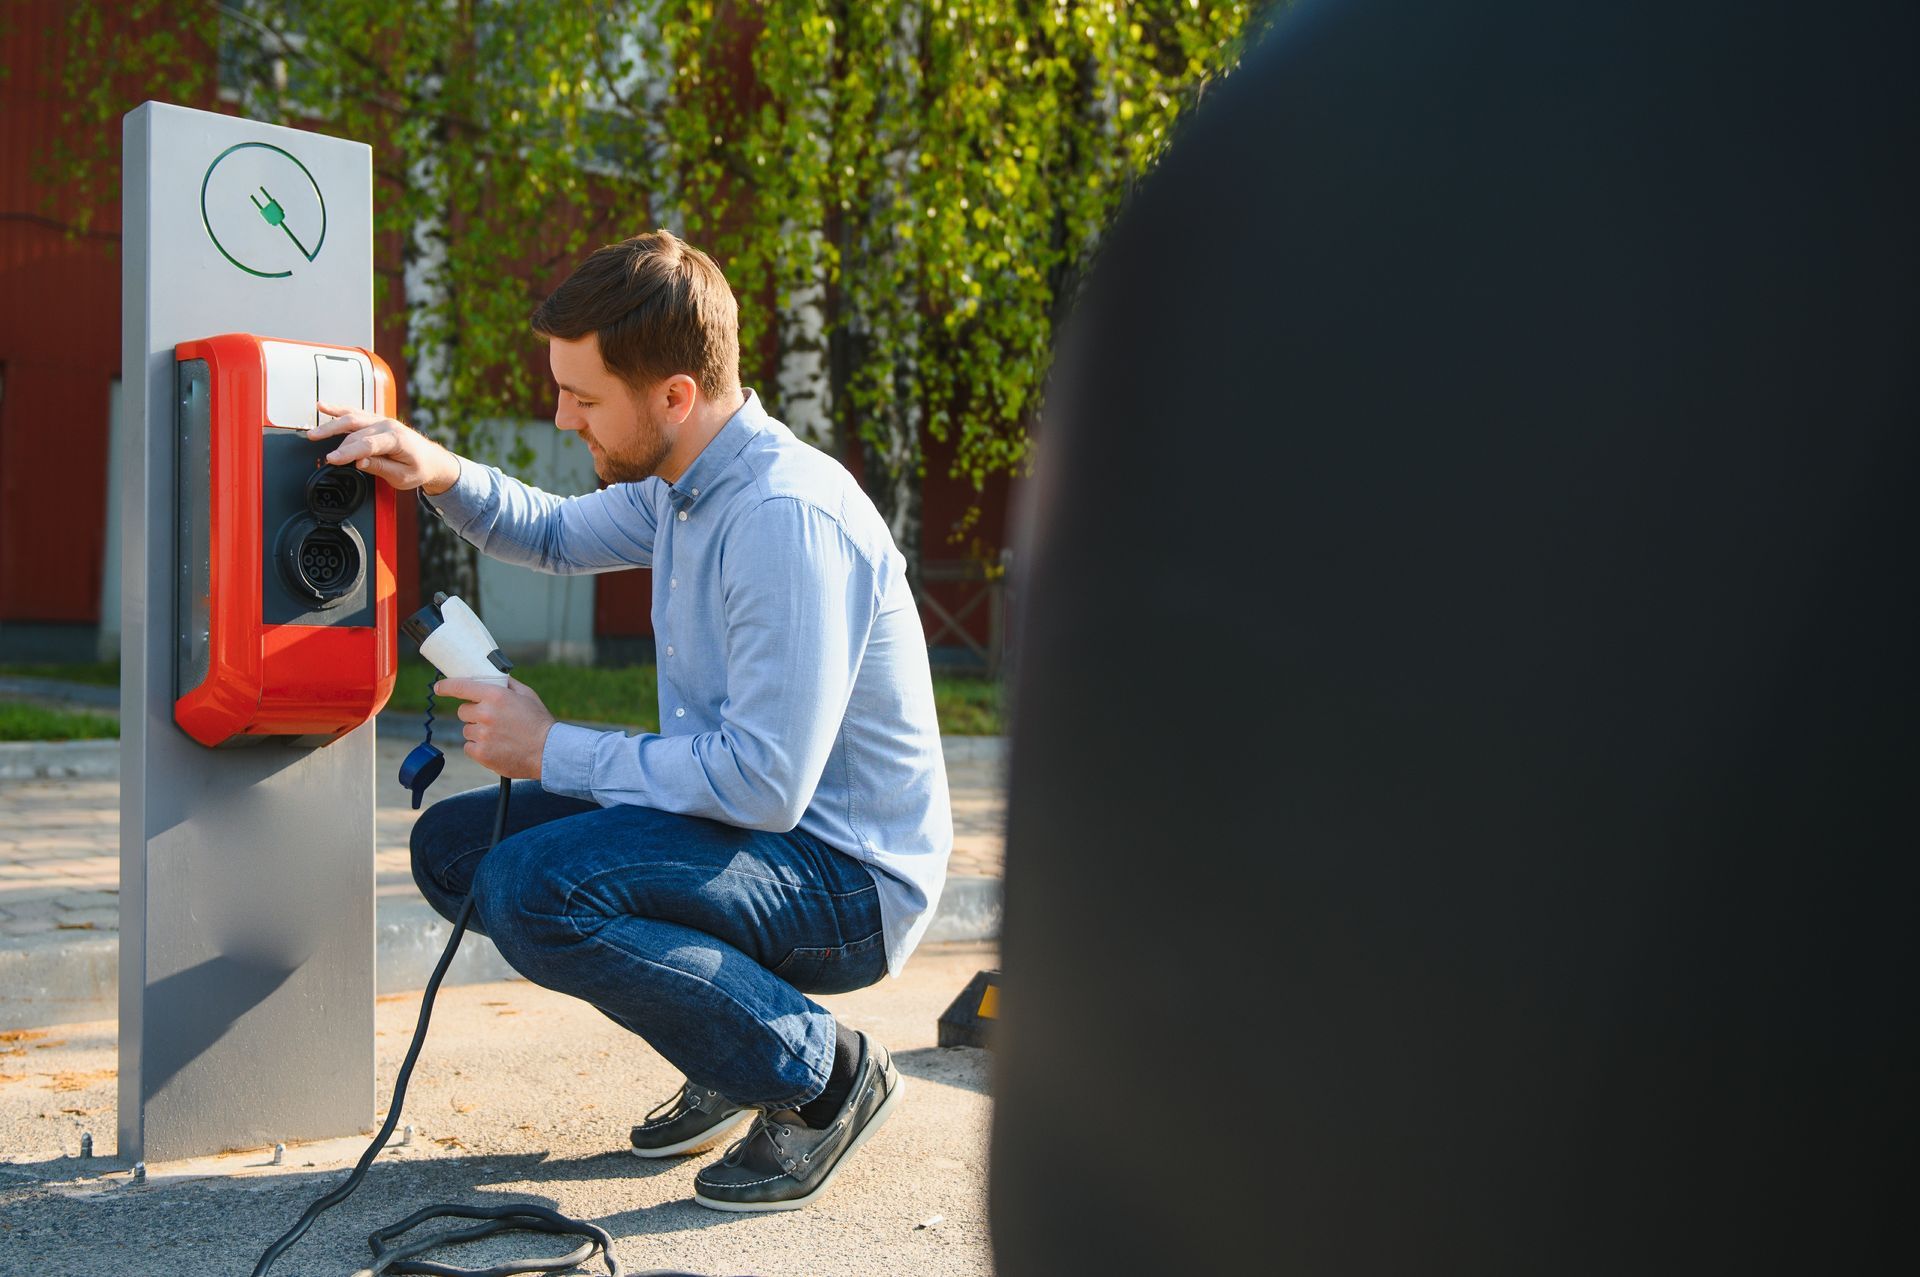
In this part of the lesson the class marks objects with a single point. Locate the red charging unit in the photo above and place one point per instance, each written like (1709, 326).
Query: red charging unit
(285, 597)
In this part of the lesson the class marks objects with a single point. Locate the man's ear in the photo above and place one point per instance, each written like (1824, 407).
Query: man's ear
(681, 393)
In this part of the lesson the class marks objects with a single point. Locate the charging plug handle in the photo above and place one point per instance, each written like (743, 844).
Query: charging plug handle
(452, 636)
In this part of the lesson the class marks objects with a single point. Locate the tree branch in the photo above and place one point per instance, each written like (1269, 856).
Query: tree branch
(54, 224)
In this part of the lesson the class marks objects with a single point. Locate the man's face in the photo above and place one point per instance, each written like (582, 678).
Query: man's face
(627, 441)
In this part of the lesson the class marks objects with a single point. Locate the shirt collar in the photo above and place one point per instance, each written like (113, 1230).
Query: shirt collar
(749, 420)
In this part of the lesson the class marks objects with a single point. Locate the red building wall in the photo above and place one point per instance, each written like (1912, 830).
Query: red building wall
(59, 351)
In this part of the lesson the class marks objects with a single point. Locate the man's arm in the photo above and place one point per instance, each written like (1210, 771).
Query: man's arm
(518, 523)
(507, 519)
(800, 604)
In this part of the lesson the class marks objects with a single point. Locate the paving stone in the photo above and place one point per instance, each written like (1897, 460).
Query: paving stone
(18, 902)
(35, 819)
(33, 907)
(51, 866)
(26, 926)
(89, 900)
(64, 843)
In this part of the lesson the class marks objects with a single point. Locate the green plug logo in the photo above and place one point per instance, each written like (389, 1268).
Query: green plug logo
(271, 210)
(277, 216)
(239, 185)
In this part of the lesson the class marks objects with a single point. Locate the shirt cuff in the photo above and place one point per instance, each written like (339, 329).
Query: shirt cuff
(566, 762)
(471, 491)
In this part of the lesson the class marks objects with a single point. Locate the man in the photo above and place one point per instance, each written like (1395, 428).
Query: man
(787, 830)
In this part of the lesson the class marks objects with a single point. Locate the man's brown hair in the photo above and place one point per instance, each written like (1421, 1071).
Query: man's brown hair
(660, 306)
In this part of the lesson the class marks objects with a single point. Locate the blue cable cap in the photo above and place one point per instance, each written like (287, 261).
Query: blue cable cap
(421, 768)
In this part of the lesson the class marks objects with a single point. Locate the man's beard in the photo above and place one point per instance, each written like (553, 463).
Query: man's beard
(640, 459)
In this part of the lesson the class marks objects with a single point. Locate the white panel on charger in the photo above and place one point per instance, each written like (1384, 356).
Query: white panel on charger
(299, 377)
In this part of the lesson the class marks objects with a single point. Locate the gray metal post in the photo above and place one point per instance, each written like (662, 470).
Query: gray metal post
(246, 875)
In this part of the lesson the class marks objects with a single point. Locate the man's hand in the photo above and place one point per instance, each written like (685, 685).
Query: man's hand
(382, 446)
(506, 725)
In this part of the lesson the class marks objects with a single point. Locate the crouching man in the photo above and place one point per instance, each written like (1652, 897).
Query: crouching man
(786, 832)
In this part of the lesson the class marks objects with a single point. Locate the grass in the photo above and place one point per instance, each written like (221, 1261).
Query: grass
(967, 705)
(627, 695)
(32, 722)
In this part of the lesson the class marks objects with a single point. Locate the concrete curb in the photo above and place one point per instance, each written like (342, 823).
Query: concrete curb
(969, 909)
(95, 697)
(69, 759)
(408, 938)
(983, 749)
(59, 979)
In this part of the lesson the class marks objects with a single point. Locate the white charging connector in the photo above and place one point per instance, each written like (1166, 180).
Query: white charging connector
(454, 638)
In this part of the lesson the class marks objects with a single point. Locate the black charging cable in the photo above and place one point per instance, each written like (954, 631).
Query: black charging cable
(524, 1216)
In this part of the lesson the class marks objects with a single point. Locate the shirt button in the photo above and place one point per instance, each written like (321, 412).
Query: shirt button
(674, 584)
(669, 649)
(680, 713)
(683, 516)
(696, 492)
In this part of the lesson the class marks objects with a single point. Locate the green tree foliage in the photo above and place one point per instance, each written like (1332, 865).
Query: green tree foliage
(944, 168)
(903, 193)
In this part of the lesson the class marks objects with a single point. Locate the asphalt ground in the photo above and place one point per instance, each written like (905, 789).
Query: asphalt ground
(521, 1094)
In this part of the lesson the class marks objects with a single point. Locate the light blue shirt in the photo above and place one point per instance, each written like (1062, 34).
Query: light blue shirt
(794, 686)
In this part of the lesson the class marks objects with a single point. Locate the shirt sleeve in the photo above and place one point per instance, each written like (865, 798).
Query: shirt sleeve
(800, 604)
(518, 523)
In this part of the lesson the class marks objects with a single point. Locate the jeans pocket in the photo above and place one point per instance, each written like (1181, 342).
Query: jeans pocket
(841, 970)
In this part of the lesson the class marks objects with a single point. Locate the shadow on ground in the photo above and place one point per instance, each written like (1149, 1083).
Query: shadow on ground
(52, 1224)
(966, 1067)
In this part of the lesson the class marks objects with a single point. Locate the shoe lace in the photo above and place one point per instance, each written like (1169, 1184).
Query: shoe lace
(672, 1102)
(759, 1126)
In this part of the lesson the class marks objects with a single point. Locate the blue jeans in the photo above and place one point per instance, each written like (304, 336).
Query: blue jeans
(698, 936)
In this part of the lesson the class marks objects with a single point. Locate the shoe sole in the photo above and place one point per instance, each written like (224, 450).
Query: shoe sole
(880, 1115)
(693, 1143)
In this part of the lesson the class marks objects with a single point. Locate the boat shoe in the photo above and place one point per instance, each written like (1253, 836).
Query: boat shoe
(685, 1123)
(781, 1163)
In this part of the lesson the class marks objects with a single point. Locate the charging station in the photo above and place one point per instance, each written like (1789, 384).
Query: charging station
(286, 588)
(258, 604)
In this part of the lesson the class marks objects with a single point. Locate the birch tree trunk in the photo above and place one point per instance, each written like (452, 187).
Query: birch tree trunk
(803, 378)
(893, 471)
(804, 381)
